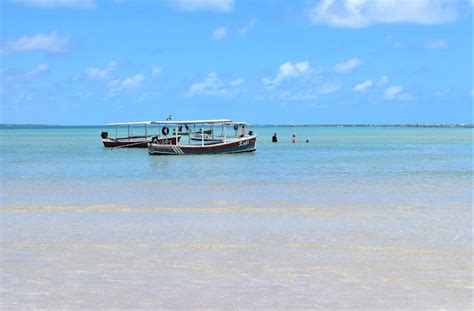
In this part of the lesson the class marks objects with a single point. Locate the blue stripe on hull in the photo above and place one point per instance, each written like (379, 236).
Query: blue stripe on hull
(240, 149)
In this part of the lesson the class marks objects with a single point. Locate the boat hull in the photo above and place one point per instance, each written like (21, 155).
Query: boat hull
(135, 142)
(245, 144)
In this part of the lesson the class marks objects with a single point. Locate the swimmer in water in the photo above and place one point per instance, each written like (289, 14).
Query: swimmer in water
(274, 138)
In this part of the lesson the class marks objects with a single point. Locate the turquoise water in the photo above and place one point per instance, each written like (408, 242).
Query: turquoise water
(69, 166)
(358, 217)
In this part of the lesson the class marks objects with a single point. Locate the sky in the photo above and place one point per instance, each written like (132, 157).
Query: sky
(91, 62)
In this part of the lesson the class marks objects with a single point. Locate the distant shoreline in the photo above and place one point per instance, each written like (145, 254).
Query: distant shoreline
(461, 125)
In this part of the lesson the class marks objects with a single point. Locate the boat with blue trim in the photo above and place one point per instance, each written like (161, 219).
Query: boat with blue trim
(202, 137)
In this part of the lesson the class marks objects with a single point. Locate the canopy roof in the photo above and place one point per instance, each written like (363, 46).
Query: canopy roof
(129, 123)
(225, 121)
(221, 121)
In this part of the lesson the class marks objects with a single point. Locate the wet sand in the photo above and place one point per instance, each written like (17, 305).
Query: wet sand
(230, 256)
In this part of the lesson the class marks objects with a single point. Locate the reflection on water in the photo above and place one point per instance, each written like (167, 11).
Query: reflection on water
(358, 218)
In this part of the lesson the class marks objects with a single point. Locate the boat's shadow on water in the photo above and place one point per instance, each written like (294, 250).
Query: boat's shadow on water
(159, 161)
(201, 168)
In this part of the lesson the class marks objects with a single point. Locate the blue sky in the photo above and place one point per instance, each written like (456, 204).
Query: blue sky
(350, 61)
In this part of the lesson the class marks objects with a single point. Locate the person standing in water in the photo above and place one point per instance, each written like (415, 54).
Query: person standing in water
(274, 138)
(293, 139)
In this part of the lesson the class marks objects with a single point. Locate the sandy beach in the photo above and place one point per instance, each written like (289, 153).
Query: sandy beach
(234, 257)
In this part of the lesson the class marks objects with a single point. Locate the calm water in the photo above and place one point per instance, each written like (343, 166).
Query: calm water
(357, 218)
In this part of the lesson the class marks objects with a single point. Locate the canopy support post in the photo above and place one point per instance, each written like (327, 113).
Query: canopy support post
(202, 135)
(176, 135)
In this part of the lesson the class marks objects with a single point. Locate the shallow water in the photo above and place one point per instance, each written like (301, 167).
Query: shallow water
(357, 218)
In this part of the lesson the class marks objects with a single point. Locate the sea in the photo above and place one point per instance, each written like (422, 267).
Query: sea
(357, 217)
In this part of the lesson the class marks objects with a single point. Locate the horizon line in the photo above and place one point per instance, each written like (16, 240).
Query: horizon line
(470, 125)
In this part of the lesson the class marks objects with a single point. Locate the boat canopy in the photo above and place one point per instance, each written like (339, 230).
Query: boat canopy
(130, 123)
(219, 121)
(223, 121)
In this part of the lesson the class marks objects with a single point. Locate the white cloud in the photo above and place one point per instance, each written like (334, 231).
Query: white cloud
(328, 87)
(155, 70)
(71, 4)
(347, 65)
(48, 42)
(298, 81)
(219, 33)
(212, 82)
(393, 91)
(16, 85)
(97, 73)
(250, 24)
(436, 44)
(126, 84)
(19, 79)
(237, 82)
(383, 80)
(363, 13)
(288, 70)
(361, 87)
(214, 86)
(205, 5)
(40, 68)
(396, 92)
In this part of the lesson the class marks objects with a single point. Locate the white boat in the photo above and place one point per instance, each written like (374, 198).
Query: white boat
(189, 140)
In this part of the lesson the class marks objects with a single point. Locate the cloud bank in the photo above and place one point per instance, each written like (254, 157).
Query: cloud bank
(50, 4)
(40, 42)
(212, 85)
(205, 5)
(363, 13)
